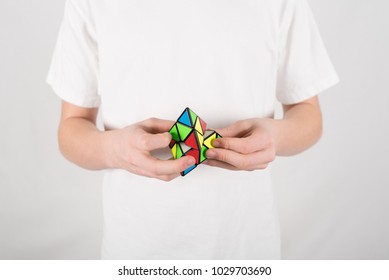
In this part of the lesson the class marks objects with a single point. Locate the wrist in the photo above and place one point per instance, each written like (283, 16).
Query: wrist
(275, 127)
(107, 144)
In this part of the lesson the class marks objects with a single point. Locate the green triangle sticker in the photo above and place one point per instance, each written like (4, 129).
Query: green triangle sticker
(174, 132)
(179, 152)
(184, 131)
(202, 154)
(193, 116)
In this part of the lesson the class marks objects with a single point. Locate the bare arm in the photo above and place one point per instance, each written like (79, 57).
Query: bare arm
(128, 148)
(300, 128)
(254, 143)
(79, 139)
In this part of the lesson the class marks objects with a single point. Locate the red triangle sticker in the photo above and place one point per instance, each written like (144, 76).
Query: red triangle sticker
(172, 143)
(191, 141)
(194, 153)
(203, 124)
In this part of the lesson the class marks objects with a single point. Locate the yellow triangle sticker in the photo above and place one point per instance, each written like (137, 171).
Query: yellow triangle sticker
(174, 151)
(198, 126)
(208, 141)
(201, 139)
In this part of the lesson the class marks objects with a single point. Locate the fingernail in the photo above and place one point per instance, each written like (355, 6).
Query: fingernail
(216, 143)
(210, 154)
(190, 161)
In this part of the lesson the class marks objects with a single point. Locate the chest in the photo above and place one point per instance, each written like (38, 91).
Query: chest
(185, 27)
(164, 55)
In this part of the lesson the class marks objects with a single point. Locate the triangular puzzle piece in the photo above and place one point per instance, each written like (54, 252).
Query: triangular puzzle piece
(192, 141)
(203, 125)
(179, 152)
(184, 148)
(194, 153)
(198, 126)
(193, 116)
(174, 151)
(188, 170)
(185, 119)
(172, 143)
(209, 138)
(200, 139)
(190, 138)
(183, 131)
(203, 157)
(174, 132)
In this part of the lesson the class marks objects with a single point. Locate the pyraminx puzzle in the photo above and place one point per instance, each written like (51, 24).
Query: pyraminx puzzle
(190, 137)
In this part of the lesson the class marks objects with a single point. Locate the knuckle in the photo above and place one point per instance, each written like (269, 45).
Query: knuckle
(145, 141)
(245, 149)
(222, 157)
(263, 166)
(155, 170)
(272, 156)
(247, 165)
(151, 121)
(168, 137)
(166, 178)
(224, 143)
(243, 124)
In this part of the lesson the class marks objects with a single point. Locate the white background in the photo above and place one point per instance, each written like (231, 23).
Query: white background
(333, 199)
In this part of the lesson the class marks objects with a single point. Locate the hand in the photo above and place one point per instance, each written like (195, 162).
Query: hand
(132, 146)
(246, 145)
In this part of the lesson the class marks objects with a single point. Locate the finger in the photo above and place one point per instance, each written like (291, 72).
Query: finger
(220, 164)
(257, 160)
(236, 129)
(150, 142)
(158, 167)
(154, 125)
(168, 178)
(245, 145)
(148, 174)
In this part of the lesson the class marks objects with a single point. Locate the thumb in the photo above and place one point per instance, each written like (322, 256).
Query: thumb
(154, 125)
(233, 130)
(150, 142)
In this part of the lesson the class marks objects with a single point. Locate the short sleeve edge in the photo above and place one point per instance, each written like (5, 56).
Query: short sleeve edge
(301, 94)
(86, 101)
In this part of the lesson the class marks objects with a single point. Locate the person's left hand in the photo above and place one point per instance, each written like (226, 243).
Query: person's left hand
(246, 145)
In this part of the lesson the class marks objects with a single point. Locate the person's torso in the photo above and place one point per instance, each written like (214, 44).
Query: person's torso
(218, 57)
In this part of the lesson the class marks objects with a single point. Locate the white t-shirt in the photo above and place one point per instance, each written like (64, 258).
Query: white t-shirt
(227, 60)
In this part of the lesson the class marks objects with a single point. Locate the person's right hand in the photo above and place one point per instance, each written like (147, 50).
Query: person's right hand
(131, 150)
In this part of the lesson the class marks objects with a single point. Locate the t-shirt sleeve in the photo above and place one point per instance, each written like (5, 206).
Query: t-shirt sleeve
(304, 67)
(73, 72)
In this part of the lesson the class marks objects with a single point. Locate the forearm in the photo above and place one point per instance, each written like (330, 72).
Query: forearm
(83, 144)
(253, 143)
(128, 148)
(300, 128)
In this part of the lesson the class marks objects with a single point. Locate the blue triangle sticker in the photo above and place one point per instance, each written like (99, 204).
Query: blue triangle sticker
(189, 169)
(184, 119)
